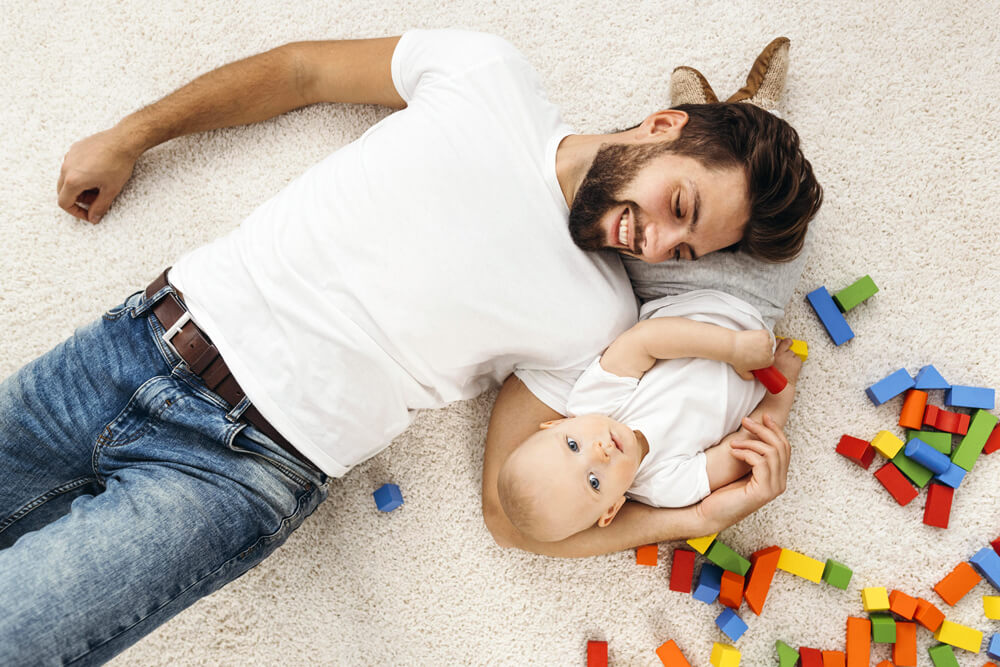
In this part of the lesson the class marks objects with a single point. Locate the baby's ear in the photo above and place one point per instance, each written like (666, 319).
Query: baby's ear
(611, 513)
(551, 423)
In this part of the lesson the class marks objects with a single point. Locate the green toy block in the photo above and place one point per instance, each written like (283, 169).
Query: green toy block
(787, 656)
(883, 628)
(936, 439)
(854, 294)
(943, 655)
(918, 474)
(837, 574)
(971, 446)
(727, 559)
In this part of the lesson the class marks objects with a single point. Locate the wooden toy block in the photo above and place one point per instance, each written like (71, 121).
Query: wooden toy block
(959, 636)
(724, 656)
(991, 664)
(939, 441)
(709, 579)
(837, 574)
(885, 663)
(957, 583)
(952, 422)
(682, 571)
(972, 444)
(834, 659)
(996, 545)
(763, 564)
(970, 397)
(902, 604)
(890, 386)
(875, 598)
(991, 606)
(931, 415)
(771, 378)
(987, 564)
(887, 444)
(387, 497)
(811, 657)
(670, 655)
(858, 450)
(787, 656)
(731, 624)
(895, 483)
(904, 651)
(928, 615)
(726, 558)
(916, 473)
(800, 349)
(855, 293)
(928, 377)
(938, 507)
(993, 648)
(992, 442)
(859, 641)
(647, 555)
(701, 544)
(952, 477)
(801, 565)
(912, 414)
(883, 628)
(943, 655)
(597, 654)
(731, 590)
(829, 315)
(927, 456)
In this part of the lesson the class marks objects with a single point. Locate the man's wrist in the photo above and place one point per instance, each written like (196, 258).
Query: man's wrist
(135, 135)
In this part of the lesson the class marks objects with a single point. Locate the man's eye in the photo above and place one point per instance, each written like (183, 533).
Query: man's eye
(571, 443)
(594, 482)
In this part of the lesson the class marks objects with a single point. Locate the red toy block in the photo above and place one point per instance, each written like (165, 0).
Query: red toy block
(904, 651)
(670, 655)
(996, 545)
(859, 641)
(646, 555)
(858, 450)
(928, 615)
(993, 442)
(834, 659)
(810, 657)
(957, 583)
(952, 422)
(763, 563)
(902, 604)
(938, 507)
(731, 589)
(597, 654)
(682, 571)
(931, 415)
(896, 483)
(912, 414)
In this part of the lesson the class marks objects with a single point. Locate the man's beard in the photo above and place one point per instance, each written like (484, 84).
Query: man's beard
(614, 167)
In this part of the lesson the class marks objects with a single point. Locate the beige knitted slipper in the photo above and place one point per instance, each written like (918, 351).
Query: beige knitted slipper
(766, 79)
(688, 86)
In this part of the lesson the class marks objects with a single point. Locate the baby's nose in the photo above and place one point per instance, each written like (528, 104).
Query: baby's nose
(602, 449)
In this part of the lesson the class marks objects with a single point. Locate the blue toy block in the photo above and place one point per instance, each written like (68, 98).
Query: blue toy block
(828, 313)
(709, 580)
(970, 397)
(388, 497)
(731, 624)
(952, 477)
(987, 563)
(993, 648)
(889, 387)
(929, 378)
(927, 456)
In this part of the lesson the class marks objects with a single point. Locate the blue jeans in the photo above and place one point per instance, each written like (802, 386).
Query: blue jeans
(128, 491)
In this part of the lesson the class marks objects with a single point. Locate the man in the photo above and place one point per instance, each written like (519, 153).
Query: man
(170, 446)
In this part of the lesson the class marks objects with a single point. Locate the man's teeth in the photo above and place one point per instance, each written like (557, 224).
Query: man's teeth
(623, 229)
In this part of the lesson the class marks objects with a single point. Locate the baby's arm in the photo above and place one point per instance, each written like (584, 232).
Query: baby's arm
(635, 351)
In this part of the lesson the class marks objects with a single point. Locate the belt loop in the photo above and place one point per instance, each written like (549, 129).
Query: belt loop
(238, 410)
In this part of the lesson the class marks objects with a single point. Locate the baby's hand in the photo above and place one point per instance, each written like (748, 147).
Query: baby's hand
(751, 350)
(787, 361)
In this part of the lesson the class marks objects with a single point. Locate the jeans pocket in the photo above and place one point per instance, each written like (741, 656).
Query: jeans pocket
(126, 306)
(249, 440)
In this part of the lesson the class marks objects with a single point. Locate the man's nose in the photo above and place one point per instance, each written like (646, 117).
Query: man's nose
(658, 242)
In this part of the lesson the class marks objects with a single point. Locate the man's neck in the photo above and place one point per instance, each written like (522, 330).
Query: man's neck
(574, 156)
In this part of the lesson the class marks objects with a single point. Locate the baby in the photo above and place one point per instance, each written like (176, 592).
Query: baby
(650, 430)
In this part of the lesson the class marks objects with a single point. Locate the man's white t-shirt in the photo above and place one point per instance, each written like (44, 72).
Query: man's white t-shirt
(416, 266)
(682, 406)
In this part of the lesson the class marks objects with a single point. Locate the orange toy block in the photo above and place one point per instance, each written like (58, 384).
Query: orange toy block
(957, 583)
(885, 663)
(902, 604)
(670, 655)
(928, 615)
(904, 651)
(763, 564)
(834, 659)
(731, 589)
(646, 555)
(912, 414)
(859, 641)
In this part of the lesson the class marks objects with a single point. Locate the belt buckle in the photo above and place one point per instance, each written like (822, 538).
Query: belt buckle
(172, 331)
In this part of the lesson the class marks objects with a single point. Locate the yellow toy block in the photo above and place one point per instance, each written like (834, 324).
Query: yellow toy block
(959, 635)
(799, 348)
(875, 599)
(724, 656)
(887, 444)
(991, 606)
(801, 565)
(701, 544)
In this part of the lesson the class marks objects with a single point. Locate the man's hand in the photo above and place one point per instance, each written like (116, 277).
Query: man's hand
(93, 172)
(768, 458)
(751, 350)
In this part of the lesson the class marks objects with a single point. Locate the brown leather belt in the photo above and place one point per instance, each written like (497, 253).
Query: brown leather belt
(204, 360)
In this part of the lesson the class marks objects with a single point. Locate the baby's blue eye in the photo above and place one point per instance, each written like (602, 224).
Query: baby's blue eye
(594, 482)
(572, 444)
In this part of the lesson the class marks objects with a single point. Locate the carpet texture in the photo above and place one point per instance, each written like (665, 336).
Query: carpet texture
(896, 103)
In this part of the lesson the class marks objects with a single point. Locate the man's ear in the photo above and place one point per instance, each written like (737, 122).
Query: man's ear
(551, 423)
(662, 125)
(611, 513)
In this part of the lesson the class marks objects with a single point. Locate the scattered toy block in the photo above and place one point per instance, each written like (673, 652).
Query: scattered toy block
(731, 624)
(938, 507)
(889, 387)
(829, 315)
(724, 656)
(723, 556)
(883, 628)
(885, 663)
(987, 564)
(387, 497)
(800, 349)
(957, 583)
(912, 414)
(916, 473)
(855, 293)
(597, 654)
(937, 440)
(904, 651)
(811, 657)
(858, 450)
(931, 415)
(895, 483)
(991, 606)
(927, 456)
(772, 379)
(834, 659)
(763, 564)
(837, 574)
(993, 649)
(682, 571)
(953, 477)
(670, 655)
(709, 579)
(970, 397)
(928, 377)
(902, 604)
(996, 545)
(943, 655)
(972, 444)
(701, 544)
(647, 555)
(801, 565)
(952, 422)
(887, 444)
(960, 636)
(859, 641)
(787, 656)
(875, 598)
(731, 590)
(928, 615)
(993, 442)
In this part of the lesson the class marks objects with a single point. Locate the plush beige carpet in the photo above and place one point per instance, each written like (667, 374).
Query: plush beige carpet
(897, 105)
